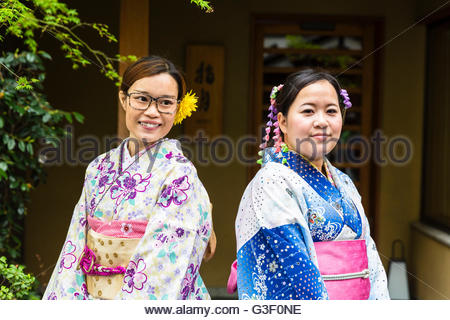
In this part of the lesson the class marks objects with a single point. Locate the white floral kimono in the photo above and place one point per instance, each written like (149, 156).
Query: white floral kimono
(158, 189)
(284, 210)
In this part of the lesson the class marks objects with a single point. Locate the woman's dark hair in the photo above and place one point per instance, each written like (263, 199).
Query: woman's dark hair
(150, 66)
(297, 81)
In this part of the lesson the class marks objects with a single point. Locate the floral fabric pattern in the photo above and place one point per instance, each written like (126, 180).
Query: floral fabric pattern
(175, 192)
(188, 284)
(127, 187)
(68, 258)
(170, 197)
(106, 173)
(135, 276)
(276, 257)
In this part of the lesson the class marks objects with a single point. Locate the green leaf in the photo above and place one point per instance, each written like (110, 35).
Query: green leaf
(22, 83)
(30, 148)
(30, 57)
(46, 118)
(13, 185)
(45, 55)
(78, 116)
(1, 122)
(21, 146)
(3, 175)
(3, 166)
(11, 144)
(68, 117)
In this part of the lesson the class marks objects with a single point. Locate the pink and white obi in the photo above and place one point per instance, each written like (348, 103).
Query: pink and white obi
(107, 254)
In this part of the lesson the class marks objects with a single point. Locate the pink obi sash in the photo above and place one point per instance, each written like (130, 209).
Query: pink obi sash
(344, 269)
(119, 228)
(232, 279)
(128, 229)
(343, 266)
(108, 250)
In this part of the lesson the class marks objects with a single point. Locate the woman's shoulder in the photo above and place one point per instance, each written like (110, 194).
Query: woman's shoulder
(106, 157)
(340, 174)
(175, 168)
(171, 152)
(271, 179)
(173, 165)
(276, 174)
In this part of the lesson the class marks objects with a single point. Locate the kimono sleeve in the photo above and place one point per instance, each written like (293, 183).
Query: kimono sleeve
(377, 276)
(167, 260)
(67, 280)
(274, 260)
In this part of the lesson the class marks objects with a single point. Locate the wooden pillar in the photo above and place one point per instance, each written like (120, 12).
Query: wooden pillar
(133, 40)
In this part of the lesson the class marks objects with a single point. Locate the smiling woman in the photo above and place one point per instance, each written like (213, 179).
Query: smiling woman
(143, 223)
(313, 124)
(301, 230)
(147, 81)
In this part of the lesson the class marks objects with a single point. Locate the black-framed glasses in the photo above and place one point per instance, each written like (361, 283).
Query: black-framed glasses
(141, 101)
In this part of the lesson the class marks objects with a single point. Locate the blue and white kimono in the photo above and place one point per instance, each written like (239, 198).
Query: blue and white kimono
(284, 210)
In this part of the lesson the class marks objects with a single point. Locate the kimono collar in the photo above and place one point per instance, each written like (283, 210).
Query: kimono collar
(323, 185)
(295, 161)
(125, 158)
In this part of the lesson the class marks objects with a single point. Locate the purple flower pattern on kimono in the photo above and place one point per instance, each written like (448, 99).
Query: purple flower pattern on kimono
(205, 227)
(68, 258)
(164, 235)
(127, 186)
(175, 192)
(92, 206)
(84, 293)
(106, 173)
(134, 276)
(188, 284)
(52, 296)
(104, 169)
(179, 157)
(165, 260)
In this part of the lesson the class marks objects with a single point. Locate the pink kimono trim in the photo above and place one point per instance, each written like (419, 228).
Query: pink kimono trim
(232, 279)
(119, 228)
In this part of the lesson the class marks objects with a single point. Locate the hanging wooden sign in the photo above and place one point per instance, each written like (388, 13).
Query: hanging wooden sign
(205, 76)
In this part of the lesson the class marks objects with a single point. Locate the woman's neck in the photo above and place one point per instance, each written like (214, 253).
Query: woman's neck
(318, 163)
(134, 146)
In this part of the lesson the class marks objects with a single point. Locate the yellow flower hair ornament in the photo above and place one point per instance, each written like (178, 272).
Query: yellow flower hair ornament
(187, 105)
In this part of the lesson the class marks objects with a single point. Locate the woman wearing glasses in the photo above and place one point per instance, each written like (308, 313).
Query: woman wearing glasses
(143, 222)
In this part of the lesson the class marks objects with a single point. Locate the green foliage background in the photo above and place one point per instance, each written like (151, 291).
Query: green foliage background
(26, 117)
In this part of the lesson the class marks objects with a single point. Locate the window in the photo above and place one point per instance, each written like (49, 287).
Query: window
(286, 44)
(436, 156)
